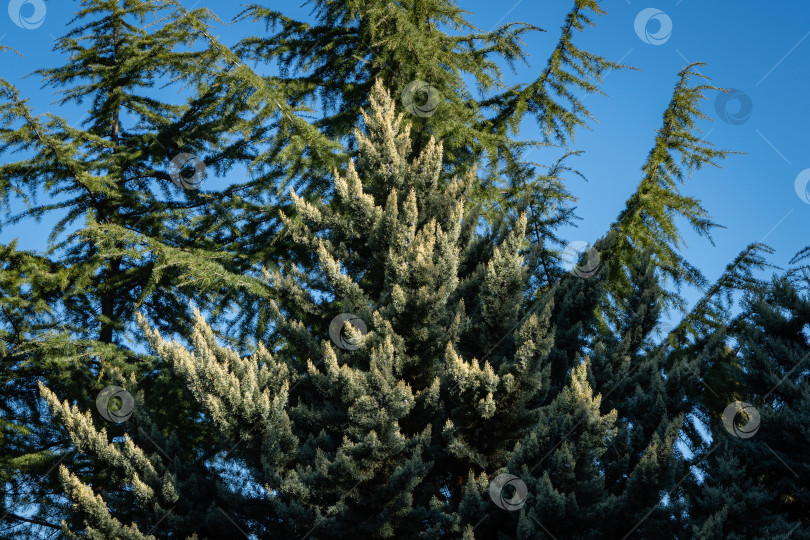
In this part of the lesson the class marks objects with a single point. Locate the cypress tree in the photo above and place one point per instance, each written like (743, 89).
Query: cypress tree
(399, 425)
(752, 482)
(376, 413)
(426, 53)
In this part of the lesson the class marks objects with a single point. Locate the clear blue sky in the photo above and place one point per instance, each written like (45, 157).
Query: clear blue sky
(755, 47)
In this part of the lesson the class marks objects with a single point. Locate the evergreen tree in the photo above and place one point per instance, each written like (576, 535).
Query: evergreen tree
(29, 284)
(351, 45)
(445, 73)
(144, 251)
(122, 237)
(400, 436)
(752, 485)
(371, 419)
(411, 358)
(647, 224)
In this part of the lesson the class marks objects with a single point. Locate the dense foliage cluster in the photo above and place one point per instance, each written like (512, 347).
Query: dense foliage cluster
(373, 331)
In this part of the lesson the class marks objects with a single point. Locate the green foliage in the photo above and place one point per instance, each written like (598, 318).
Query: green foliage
(475, 353)
(648, 221)
(119, 245)
(402, 435)
(753, 485)
(331, 66)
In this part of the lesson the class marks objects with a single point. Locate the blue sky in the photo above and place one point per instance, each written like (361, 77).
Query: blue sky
(750, 46)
